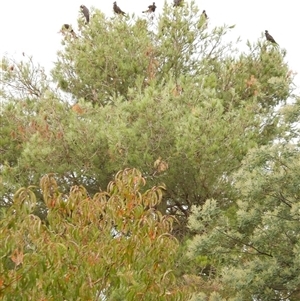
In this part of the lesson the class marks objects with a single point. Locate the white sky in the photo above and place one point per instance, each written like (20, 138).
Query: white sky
(31, 26)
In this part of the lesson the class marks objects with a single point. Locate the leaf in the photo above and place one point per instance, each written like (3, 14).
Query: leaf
(17, 257)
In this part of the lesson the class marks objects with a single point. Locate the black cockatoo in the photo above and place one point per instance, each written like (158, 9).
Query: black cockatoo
(117, 9)
(204, 15)
(67, 28)
(270, 38)
(85, 12)
(151, 8)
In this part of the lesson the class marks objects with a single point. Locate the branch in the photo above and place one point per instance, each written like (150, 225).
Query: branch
(245, 244)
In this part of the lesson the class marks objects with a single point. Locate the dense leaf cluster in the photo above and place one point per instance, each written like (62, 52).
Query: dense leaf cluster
(112, 246)
(218, 128)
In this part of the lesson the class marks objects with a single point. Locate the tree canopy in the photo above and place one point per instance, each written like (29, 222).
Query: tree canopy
(171, 92)
(111, 246)
(254, 244)
(171, 101)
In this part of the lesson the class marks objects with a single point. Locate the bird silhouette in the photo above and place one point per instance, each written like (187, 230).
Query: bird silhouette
(204, 15)
(117, 9)
(177, 3)
(270, 38)
(85, 12)
(67, 28)
(151, 8)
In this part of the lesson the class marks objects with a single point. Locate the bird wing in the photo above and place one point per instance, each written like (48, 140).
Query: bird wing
(118, 10)
(86, 13)
(270, 38)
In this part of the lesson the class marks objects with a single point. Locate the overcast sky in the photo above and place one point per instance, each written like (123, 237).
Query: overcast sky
(31, 26)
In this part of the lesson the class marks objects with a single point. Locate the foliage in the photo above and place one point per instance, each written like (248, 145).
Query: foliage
(112, 246)
(22, 80)
(254, 244)
(104, 61)
(170, 98)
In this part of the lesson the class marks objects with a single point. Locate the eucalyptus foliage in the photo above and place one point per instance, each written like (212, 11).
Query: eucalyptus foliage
(113, 245)
(254, 244)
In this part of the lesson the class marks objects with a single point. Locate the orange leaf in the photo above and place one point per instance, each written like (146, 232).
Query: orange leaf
(17, 257)
(77, 109)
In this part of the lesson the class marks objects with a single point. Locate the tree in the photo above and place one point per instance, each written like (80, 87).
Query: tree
(253, 244)
(111, 246)
(171, 99)
(109, 57)
(22, 80)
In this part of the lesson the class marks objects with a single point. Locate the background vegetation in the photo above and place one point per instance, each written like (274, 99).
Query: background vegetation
(200, 142)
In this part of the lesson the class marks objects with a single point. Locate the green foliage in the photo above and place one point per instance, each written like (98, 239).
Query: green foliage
(290, 124)
(255, 248)
(114, 245)
(170, 98)
(22, 80)
(105, 61)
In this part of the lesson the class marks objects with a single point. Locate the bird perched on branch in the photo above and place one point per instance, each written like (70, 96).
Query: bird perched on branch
(68, 28)
(151, 8)
(270, 38)
(204, 15)
(85, 12)
(177, 3)
(65, 27)
(117, 9)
